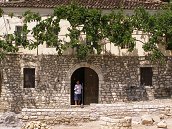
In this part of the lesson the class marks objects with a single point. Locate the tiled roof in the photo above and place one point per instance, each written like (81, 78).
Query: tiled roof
(101, 4)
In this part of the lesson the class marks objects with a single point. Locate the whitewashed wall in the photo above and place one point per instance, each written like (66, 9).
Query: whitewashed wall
(7, 25)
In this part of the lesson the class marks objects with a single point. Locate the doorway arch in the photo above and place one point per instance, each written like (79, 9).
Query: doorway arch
(90, 82)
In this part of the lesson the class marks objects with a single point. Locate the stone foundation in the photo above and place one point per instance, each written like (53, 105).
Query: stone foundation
(120, 110)
(57, 116)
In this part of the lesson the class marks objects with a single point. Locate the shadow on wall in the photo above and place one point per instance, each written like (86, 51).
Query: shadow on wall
(13, 94)
(135, 93)
(16, 96)
(163, 87)
(51, 89)
(163, 93)
(122, 75)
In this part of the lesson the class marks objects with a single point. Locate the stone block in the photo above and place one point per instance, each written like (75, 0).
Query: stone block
(25, 117)
(41, 117)
(162, 124)
(147, 120)
(33, 117)
(38, 113)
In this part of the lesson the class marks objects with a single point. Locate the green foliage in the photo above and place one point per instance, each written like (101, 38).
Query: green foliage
(7, 46)
(31, 16)
(82, 51)
(1, 12)
(11, 15)
(119, 30)
(117, 27)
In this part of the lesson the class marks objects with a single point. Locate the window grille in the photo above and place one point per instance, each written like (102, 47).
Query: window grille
(125, 46)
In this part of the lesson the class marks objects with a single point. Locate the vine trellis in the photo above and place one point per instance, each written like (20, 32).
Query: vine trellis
(115, 26)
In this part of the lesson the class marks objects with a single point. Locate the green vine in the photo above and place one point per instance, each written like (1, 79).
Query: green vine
(117, 27)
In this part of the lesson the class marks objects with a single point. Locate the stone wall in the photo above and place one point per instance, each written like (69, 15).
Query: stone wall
(119, 80)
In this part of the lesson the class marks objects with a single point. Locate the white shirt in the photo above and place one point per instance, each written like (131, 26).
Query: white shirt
(77, 88)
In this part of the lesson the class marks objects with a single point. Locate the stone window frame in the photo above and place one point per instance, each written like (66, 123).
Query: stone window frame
(139, 73)
(29, 65)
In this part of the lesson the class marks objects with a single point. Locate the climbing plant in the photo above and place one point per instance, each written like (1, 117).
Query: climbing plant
(96, 26)
(6, 42)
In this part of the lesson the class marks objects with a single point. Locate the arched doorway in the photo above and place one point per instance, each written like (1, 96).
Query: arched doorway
(90, 81)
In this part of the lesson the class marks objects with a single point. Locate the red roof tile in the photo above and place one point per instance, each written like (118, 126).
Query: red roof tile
(101, 4)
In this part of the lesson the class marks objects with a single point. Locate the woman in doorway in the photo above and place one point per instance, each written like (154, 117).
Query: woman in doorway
(77, 93)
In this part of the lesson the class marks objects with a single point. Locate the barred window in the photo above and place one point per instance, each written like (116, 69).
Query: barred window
(169, 47)
(29, 77)
(169, 43)
(125, 46)
(18, 30)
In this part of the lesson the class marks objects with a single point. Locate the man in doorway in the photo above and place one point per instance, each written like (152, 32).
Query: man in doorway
(77, 93)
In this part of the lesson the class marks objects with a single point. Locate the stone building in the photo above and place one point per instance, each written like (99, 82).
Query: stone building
(41, 79)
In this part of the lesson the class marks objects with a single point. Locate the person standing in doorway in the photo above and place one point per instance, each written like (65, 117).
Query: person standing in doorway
(77, 93)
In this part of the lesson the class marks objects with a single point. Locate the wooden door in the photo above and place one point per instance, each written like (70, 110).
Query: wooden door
(90, 86)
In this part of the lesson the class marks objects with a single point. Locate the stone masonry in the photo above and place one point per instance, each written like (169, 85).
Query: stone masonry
(109, 123)
(119, 80)
(109, 114)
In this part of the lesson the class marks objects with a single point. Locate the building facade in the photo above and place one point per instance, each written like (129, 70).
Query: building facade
(40, 78)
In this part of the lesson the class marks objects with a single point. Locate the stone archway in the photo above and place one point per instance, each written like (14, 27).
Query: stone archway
(90, 82)
(86, 70)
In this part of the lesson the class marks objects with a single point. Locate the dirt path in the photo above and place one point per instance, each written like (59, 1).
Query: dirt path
(89, 125)
(96, 125)
(169, 125)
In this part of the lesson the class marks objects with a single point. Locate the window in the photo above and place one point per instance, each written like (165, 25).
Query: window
(20, 38)
(48, 46)
(125, 46)
(146, 76)
(29, 77)
(18, 30)
(169, 47)
(168, 40)
(169, 44)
